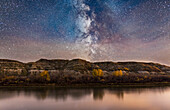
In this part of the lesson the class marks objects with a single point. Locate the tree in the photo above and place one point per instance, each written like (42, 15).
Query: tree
(117, 73)
(45, 75)
(97, 72)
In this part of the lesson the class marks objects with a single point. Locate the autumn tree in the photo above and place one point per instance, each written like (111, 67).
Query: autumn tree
(45, 75)
(117, 73)
(97, 72)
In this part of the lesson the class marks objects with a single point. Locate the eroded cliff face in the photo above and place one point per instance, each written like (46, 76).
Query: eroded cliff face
(12, 67)
(79, 67)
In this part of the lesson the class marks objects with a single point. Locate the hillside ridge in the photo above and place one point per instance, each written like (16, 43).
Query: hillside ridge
(79, 71)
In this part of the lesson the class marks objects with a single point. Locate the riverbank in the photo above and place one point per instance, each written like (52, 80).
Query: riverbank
(97, 85)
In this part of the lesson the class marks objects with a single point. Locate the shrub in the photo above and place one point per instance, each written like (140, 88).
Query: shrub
(126, 69)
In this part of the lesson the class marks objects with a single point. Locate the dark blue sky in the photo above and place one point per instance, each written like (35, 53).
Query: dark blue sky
(90, 29)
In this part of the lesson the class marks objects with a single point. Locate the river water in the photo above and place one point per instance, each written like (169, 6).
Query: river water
(157, 98)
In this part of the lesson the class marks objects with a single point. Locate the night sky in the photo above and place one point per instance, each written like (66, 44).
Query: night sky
(94, 30)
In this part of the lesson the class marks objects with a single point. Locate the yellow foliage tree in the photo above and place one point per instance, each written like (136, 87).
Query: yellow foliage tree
(127, 69)
(97, 72)
(117, 73)
(45, 74)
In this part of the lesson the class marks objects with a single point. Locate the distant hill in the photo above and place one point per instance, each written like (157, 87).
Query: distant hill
(58, 69)
(79, 64)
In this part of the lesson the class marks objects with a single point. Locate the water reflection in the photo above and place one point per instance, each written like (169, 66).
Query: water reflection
(74, 93)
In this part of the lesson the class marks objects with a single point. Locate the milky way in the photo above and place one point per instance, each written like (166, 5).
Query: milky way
(95, 30)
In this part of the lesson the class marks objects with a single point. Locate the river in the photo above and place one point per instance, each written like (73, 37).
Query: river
(31, 98)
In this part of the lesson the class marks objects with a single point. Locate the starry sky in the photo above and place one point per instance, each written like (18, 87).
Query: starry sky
(94, 30)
